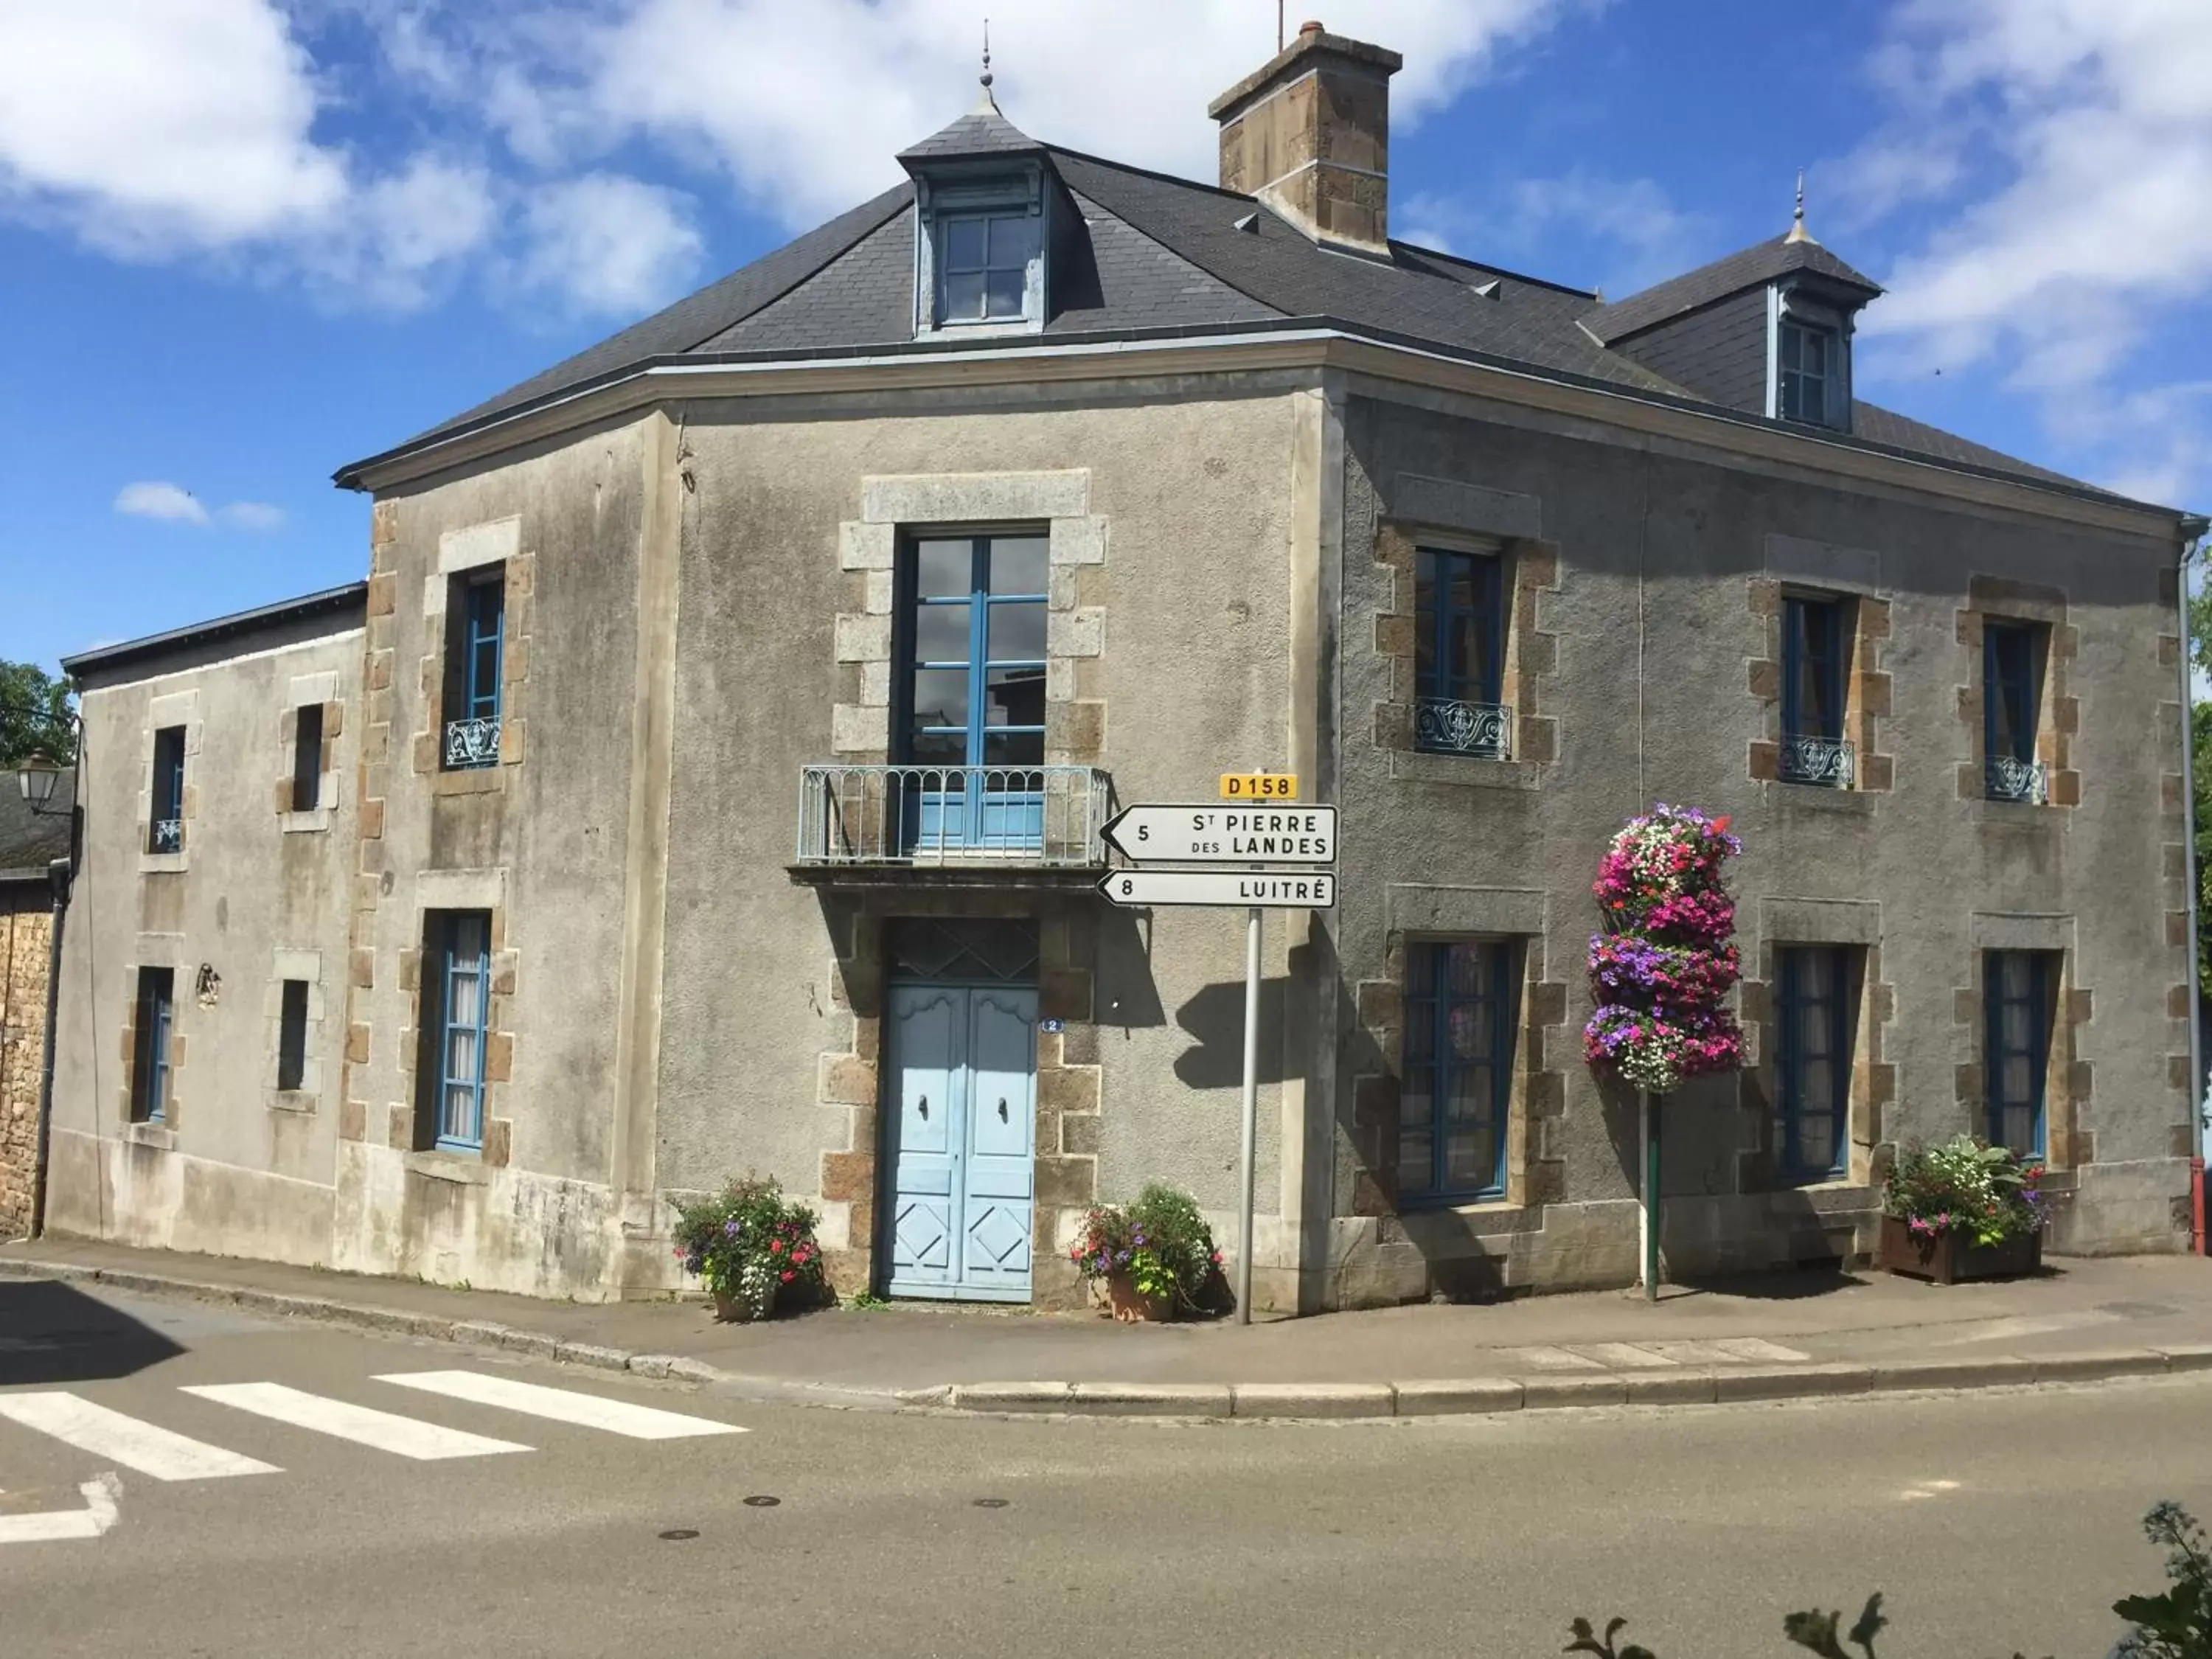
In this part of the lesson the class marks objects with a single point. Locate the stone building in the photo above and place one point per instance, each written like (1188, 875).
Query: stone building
(719, 752)
(33, 893)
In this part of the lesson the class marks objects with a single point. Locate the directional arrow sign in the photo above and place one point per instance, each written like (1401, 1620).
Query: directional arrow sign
(1211, 834)
(1141, 889)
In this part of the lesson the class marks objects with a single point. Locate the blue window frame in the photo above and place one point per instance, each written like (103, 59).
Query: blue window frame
(165, 828)
(2016, 1046)
(472, 718)
(464, 993)
(1812, 693)
(2011, 694)
(1807, 369)
(1456, 1082)
(972, 684)
(1813, 1055)
(1459, 652)
(983, 261)
(156, 1017)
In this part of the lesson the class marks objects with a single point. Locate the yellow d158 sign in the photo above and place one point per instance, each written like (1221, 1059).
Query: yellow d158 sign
(1259, 785)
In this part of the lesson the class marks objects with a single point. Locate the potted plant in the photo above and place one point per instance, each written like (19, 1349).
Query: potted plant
(752, 1247)
(1962, 1210)
(1155, 1257)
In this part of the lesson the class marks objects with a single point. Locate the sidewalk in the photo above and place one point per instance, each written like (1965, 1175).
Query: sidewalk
(1775, 1337)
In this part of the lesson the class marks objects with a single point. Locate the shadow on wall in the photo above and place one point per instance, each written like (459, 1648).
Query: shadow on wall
(52, 1332)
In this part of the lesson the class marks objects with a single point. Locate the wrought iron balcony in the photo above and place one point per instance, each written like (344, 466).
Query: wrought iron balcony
(972, 818)
(2007, 779)
(1823, 762)
(1447, 727)
(471, 743)
(166, 835)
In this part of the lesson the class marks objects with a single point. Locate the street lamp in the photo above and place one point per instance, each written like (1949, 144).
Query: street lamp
(36, 777)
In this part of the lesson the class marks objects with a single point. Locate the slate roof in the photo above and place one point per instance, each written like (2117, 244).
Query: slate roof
(1158, 254)
(30, 841)
(1761, 263)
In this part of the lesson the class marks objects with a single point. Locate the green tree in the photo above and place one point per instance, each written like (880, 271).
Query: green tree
(36, 714)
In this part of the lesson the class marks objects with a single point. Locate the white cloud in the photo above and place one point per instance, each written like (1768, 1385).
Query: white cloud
(253, 515)
(155, 500)
(2070, 142)
(159, 499)
(1629, 228)
(609, 243)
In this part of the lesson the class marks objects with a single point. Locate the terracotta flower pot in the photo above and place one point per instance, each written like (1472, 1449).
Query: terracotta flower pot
(1948, 1257)
(1131, 1306)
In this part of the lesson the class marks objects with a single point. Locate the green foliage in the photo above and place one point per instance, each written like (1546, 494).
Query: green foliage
(1161, 1241)
(1587, 1641)
(1816, 1631)
(862, 1301)
(1965, 1185)
(747, 1243)
(2177, 1623)
(35, 716)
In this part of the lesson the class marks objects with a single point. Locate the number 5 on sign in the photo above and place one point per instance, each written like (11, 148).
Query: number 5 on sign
(1259, 785)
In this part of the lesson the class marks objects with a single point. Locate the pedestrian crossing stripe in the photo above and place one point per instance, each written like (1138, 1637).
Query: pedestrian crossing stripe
(119, 1439)
(408, 1436)
(589, 1411)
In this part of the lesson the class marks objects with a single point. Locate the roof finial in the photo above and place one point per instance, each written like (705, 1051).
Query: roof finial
(985, 103)
(1797, 231)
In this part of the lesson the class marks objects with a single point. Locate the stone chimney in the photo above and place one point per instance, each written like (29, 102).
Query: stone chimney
(1309, 134)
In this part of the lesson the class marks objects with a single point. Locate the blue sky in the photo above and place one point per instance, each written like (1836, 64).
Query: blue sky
(244, 241)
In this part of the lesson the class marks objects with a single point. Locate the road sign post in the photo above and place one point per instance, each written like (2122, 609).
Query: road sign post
(1258, 828)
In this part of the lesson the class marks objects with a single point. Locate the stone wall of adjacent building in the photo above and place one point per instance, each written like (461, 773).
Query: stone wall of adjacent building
(26, 943)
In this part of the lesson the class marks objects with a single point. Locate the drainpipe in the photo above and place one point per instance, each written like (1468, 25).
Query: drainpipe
(2192, 530)
(57, 880)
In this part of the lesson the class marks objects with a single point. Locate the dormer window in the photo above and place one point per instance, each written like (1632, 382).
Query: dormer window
(985, 258)
(1808, 365)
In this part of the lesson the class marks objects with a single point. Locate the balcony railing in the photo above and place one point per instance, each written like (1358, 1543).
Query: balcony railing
(1030, 816)
(1820, 761)
(166, 835)
(1448, 727)
(471, 743)
(2007, 779)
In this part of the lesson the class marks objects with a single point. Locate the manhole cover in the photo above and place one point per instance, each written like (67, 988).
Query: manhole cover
(2136, 1309)
(761, 1501)
(677, 1534)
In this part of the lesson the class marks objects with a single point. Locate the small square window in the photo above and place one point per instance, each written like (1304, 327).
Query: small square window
(292, 1035)
(308, 757)
(986, 260)
(1809, 372)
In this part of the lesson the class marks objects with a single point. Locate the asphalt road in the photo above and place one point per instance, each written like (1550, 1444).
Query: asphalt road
(1991, 1520)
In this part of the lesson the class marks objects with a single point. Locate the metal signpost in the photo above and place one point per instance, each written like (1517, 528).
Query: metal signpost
(1238, 841)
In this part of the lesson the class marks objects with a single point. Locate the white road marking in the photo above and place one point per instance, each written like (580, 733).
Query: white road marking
(1758, 1347)
(562, 1405)
(100, 1511)
(1552, 1359)
(425, 1442)
(126, 1440)
(1625, 1356)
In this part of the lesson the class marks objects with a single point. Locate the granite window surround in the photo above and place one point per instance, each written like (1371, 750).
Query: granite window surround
(2069, 1079)
(865, 631)
(412, 1128)
(305, 968)
(170, 712)
(1528, 570)
(461, 552)
(312, 701)
(1866, 686)
(2058, 710)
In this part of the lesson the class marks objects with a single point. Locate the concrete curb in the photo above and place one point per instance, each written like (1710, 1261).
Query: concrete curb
(1278, 1401)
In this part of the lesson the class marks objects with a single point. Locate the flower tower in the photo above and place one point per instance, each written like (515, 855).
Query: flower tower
(1661, 972)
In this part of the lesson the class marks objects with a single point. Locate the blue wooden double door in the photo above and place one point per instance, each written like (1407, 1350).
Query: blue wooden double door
(962, 1109)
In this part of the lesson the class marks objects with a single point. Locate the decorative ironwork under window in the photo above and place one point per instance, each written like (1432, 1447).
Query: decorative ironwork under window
(1813, 747)
(2016, 987)
(462, 1009)
(2012, 698)
(150, 1065)
(1457, 1077)
(1459, 654)
(1813, 1051)
(473, 666)
(1808, 366)
(165, 830)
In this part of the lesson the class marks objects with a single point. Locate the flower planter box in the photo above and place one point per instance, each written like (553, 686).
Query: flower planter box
(1132, 1307)
(1948, 1257)
(731, 1311)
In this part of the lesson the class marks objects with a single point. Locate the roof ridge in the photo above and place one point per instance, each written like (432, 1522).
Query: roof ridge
(1149, 173)
(1495, 270)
